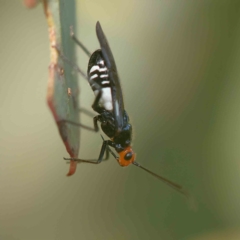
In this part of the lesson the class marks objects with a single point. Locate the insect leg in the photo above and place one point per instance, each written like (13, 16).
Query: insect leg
(87, 112)
(95, 105)
(83, 110)
(78, 125)
(95, 118)
(78, 42)
(75, 66)
(104, 148)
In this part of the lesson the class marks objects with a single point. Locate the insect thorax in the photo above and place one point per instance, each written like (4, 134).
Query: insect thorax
(121, 138)
(108, 123)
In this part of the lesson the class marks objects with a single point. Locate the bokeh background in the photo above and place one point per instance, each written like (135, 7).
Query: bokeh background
(179, 65)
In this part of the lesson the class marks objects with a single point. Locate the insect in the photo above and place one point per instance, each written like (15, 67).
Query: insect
(104, 81)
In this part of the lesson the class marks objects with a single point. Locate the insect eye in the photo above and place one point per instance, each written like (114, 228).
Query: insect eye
(128, 156)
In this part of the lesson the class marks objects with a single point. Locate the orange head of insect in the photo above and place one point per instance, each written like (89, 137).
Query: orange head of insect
(126, 157)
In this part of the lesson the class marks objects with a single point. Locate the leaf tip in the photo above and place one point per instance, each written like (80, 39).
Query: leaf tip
(72, 168)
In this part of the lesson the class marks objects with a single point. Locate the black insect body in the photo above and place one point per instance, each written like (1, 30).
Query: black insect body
(104, 81)
(119, 131)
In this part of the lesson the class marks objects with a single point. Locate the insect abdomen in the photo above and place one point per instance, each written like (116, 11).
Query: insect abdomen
(98, 78)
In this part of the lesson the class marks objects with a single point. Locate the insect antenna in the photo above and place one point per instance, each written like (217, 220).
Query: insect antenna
(173, 185)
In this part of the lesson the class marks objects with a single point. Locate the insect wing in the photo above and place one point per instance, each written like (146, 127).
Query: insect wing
(117, 98)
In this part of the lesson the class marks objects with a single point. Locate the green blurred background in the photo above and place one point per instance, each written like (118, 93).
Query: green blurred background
(179, 65)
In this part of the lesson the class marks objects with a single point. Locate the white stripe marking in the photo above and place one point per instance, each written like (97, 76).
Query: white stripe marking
(98, 68)
(101, 62)
(106, 98)
(105, 82)
(104, 76)
(103, 69)
(94, 68)
(94, 76)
